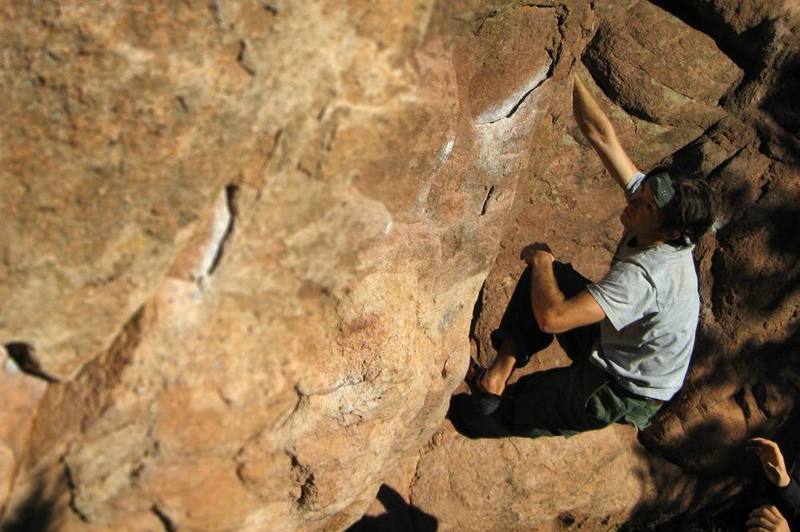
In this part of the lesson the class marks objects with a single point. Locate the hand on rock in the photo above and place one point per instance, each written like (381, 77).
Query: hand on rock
(538, 252)
(771, 460)
(766, 519)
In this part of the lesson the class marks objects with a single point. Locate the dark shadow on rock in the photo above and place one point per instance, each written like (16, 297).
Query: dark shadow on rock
(752, 209)
(744, 49)
(36, 514)
(717, 504)
(753, 50)
(477, 309)
(681, 496)
(705, 479)
(765, 397)
(781, 104)
(399, 516)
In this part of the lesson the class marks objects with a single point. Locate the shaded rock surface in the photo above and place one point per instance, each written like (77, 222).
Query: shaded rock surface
(245, 241)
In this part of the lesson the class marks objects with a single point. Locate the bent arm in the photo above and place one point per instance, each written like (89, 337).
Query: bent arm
(553, 311)
(597, 129)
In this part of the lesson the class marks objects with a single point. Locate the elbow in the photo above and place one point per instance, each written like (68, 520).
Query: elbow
(549, 322)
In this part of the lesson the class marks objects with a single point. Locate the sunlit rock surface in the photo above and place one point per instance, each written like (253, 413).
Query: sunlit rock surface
(244, 242)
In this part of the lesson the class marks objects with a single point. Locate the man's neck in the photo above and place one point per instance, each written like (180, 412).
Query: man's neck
(645, 241)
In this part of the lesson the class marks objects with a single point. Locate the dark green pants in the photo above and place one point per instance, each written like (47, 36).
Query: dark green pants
(560, 401)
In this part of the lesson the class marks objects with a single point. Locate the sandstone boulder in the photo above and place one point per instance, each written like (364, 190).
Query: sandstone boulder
(660, 69)
(302, 330)
(250, 246)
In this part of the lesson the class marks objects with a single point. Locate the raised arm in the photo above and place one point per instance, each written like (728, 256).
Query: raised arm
(597, 129)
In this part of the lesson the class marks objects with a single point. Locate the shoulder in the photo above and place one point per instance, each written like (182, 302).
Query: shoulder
(663, 258)
(674, 276)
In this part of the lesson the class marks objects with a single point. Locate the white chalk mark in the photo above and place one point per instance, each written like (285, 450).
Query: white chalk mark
(10, 366)
(516, 117)
(221, 223)
(506, 108)
(447, 149)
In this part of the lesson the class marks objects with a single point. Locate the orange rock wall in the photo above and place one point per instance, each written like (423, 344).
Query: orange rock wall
(244, 243)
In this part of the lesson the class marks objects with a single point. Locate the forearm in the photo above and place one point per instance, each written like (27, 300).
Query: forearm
(591, 119)
(597, 129)
(546, 296)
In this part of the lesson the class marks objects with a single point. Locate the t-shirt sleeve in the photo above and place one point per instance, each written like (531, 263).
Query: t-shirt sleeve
(626, 294)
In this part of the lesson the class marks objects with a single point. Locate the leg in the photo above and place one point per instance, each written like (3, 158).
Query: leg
(575, 399)
(518, 337)
(561, 401)
(518, 327)
(495, 378)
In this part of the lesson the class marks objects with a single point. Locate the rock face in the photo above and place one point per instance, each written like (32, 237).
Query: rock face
(744, 380)
(245, 241)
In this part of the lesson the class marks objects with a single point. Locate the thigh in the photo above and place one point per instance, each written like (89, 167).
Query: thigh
(557, 401)
(578, 343)
(570, 282)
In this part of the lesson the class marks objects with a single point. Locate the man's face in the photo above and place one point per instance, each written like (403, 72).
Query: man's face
(642, 216)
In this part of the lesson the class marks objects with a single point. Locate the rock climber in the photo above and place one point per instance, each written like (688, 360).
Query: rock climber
(783, 508)
(630, 334)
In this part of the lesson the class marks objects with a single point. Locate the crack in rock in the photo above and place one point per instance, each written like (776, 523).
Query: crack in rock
(166, 521)
(243, 59)
(741, 399)
(231, 192)
(73, 491)
(224, 218)
(759, 393)
(22, 358)
(269, 8)
(509, 106)
(216, 14)
(486, 200)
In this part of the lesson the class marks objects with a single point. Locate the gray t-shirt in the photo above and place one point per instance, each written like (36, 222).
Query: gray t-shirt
(652, 305)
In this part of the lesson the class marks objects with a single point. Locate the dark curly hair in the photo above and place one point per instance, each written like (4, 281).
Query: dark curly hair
(690, 212)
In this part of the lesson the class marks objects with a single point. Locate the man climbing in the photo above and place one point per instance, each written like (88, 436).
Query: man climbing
(630, 335)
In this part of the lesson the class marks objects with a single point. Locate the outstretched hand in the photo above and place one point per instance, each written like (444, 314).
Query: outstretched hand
(766, 519)
(538, 252)
(771, 459)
